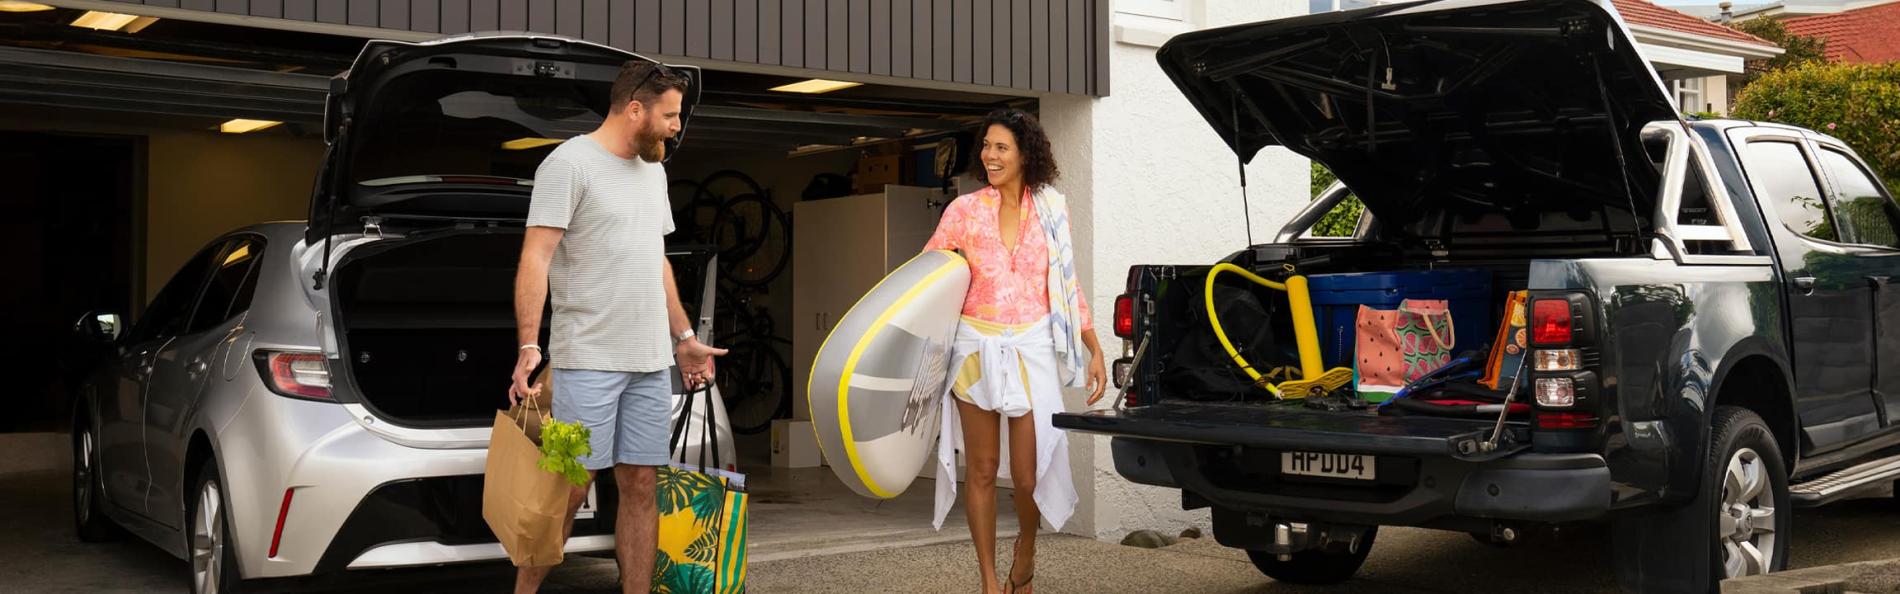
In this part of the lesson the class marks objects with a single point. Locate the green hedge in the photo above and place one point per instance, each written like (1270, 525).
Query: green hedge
(1857, 103)
(1344, 218)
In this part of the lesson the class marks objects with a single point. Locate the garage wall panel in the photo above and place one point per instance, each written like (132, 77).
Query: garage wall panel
(1017, 46)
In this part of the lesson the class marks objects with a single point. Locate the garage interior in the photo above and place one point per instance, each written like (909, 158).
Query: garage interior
(114, 138)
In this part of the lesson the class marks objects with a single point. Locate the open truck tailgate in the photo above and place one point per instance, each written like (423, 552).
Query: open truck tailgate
(1288, 426)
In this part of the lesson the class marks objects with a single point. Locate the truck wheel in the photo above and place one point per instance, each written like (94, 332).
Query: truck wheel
(1749, 487)
(1314, 566)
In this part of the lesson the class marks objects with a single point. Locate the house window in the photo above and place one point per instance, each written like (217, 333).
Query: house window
(1689, 94)
(1174, 10)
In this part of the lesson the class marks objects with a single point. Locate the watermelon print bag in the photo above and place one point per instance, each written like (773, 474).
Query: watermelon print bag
(1396, 347)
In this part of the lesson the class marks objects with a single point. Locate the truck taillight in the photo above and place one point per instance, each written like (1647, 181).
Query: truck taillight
(1550, 321)
(1125, 316)
(297, 374)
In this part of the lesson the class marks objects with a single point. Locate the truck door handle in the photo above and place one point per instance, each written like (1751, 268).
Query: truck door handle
(1805, 284)
(198, 366)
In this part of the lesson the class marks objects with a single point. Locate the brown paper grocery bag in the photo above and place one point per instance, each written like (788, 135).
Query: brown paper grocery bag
(524, 505)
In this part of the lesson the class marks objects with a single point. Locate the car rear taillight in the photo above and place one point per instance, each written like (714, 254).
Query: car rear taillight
(1550, 321)
(297, 374)
(1125, 316)
(1563, 379)
(1566, 420)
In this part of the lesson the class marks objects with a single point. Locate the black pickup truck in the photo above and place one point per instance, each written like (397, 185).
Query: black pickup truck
(1721, 292)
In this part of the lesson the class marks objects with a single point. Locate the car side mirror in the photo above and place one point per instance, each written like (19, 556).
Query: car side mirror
(100, 326)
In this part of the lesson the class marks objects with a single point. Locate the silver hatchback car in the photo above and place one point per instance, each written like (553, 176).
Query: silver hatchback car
(316, 397)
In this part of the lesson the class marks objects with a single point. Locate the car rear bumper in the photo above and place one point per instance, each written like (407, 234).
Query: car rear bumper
(1423, 490)
(1428, 470)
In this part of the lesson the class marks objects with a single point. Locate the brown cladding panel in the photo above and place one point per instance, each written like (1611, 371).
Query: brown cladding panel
(425, 15)
(514, 15)
(942, 47)
(1001, 62)
(792, 32)
(1044, 45)
(394, 15)
(880, 37)
(646, 26)
(980, 45)
(454, 17)
(1021, 55)
(746, 34)
(816, 28)
(597, 21)
(1039, 44)
(1059, 46)
(901, 39)
(860, 17)
(771, 44)
(484, 15)
(698, 28)
(920, 38)
(723, 27)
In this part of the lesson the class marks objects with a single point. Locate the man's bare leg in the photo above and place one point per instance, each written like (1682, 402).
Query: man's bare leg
(528, 579)
(637, 527)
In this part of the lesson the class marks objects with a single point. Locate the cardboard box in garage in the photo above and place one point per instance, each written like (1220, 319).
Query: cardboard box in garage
(876, 171)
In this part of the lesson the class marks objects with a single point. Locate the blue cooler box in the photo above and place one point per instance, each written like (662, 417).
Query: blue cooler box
(1337, 297)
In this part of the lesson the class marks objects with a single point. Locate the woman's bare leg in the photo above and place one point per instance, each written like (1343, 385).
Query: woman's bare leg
(983, 449)
(1022, 476)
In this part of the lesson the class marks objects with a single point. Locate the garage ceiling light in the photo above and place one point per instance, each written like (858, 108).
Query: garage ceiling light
(522, 144)
(18, 6)
(113, 21)
(816, 85)
(240, 126)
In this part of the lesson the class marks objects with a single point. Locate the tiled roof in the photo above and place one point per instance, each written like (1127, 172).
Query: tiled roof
(1641, 12)
(1870, 34)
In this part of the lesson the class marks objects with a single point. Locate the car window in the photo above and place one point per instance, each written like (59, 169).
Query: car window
(171, 309)
(1781, 177)
(1862, 213)
(232, 282)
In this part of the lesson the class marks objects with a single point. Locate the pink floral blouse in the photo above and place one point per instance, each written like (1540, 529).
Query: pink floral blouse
(1005, 287)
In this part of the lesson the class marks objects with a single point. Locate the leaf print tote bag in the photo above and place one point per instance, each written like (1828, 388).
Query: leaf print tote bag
(702, 525)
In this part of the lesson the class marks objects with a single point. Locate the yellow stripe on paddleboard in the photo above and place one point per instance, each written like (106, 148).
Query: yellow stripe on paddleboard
(857, 351)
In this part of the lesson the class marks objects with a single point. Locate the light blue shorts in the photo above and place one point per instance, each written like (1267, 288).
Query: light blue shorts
(626, 413)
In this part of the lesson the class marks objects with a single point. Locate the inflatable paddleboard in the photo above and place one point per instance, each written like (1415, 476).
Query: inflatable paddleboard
(876, 383)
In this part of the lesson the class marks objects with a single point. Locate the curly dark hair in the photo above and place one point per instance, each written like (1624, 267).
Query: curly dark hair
(1039, 161)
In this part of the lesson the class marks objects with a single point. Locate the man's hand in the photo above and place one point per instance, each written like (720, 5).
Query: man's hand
(524, 373)
(696, 362)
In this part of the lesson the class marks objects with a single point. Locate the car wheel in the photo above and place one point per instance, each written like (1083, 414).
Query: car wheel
(1314, 566)
(214, 568)
(89, 518)
(1749, 487)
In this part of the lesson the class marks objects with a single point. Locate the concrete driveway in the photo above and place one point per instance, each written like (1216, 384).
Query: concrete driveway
(39, 554)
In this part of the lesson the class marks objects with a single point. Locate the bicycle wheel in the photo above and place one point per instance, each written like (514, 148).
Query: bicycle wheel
(761, 235)
(756, 382)
(694, 221)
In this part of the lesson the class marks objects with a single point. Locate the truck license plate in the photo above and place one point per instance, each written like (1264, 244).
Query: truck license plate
(1341, 466)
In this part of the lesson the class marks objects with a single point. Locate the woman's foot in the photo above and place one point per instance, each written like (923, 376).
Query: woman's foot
(1025, 563)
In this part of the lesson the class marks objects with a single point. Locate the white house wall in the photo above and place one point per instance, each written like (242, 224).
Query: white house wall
(1150, 183)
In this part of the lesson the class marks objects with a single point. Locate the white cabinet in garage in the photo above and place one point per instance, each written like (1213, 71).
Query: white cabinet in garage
(841, 248)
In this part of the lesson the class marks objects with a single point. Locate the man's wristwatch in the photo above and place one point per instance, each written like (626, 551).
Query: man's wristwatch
(683, 336)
